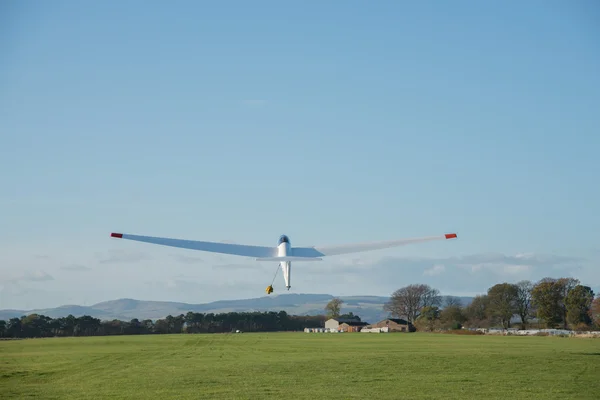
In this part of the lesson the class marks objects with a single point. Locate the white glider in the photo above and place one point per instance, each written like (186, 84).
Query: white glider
(283, 253)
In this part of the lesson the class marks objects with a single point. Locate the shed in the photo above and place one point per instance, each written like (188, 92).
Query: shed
(394, 325)
(344, 325)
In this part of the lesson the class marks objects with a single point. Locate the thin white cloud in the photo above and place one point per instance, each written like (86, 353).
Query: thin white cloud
(473, 273)
(254, 267)
(435, 270)
(166, 277)
(37, 276)
(181, 284)
(516, 269)
(187, 259)
(75, 268)
(26, 276)
(122, 256)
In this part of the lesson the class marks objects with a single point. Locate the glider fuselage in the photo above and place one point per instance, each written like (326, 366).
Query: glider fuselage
(283, 250)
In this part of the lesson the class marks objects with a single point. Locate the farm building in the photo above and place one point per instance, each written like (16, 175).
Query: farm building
(353, 326)
(393, 325)
(344, 325)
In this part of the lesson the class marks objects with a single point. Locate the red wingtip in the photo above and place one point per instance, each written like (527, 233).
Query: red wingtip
(450, 235)
(116, 235)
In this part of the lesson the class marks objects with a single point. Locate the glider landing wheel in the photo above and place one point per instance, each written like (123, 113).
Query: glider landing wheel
(269, 289)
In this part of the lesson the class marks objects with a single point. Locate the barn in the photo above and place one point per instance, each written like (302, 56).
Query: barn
(394, 325)
(354, 326)
(344, 325)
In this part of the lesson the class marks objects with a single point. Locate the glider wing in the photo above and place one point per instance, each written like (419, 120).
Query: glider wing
(321, 251)
(213, 247)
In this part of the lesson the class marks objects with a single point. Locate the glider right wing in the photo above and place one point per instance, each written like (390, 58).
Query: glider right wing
(321, 251)
(213, 247)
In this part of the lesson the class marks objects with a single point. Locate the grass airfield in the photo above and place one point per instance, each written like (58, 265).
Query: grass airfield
(300, 366)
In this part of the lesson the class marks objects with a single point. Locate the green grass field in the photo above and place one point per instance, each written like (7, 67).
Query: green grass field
(301, 366)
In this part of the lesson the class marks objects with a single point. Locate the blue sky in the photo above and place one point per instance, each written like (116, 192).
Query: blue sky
(332, 123)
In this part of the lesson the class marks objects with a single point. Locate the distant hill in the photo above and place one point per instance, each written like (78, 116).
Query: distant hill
(369, 308)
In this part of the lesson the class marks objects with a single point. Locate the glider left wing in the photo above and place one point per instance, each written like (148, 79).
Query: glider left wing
(213, 247)
(322, 251)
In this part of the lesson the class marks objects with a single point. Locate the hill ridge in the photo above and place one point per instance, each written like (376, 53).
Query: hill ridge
(368, 307)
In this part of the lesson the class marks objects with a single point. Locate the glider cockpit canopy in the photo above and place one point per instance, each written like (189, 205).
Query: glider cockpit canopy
(283, 239)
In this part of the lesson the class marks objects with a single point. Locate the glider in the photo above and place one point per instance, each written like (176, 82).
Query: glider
(283, 253)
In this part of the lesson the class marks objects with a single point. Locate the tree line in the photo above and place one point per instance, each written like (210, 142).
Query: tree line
(550, 303)
(36, 326)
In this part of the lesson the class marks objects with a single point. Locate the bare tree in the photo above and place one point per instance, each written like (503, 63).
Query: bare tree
(523, 301)
(452, 301)
(408, 301)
